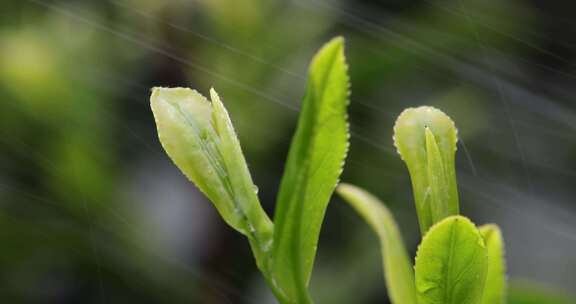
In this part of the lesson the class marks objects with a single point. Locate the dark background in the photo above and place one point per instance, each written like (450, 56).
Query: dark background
(93, 211)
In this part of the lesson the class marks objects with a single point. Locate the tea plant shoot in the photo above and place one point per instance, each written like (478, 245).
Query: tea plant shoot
(456, 262)
(198, 135)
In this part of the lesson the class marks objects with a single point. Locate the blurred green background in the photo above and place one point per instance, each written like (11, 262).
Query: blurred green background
(93, 211)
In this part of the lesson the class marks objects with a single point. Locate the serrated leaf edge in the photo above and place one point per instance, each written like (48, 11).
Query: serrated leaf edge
(419, 108)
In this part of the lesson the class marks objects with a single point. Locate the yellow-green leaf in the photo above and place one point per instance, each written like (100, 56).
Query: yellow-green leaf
(398, 270)
(312, 170)
(198, 136)
(426, 139)
(495, 290)
(451, 263)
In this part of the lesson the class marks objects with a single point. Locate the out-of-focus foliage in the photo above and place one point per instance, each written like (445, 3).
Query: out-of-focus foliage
(495, 290)
(398, 269)
(529, 293)
(91, 210)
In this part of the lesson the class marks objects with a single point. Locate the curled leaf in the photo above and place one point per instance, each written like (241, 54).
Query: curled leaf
(426, 139)
(199, 137)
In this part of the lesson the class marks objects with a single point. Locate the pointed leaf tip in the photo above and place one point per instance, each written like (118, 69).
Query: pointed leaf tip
(336, 43)
(314, 164)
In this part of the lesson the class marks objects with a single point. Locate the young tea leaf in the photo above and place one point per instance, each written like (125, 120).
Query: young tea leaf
(451, 263)
(426, 139)
(312, 170)
(199, 137)
(398, 270)
(495, 290)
